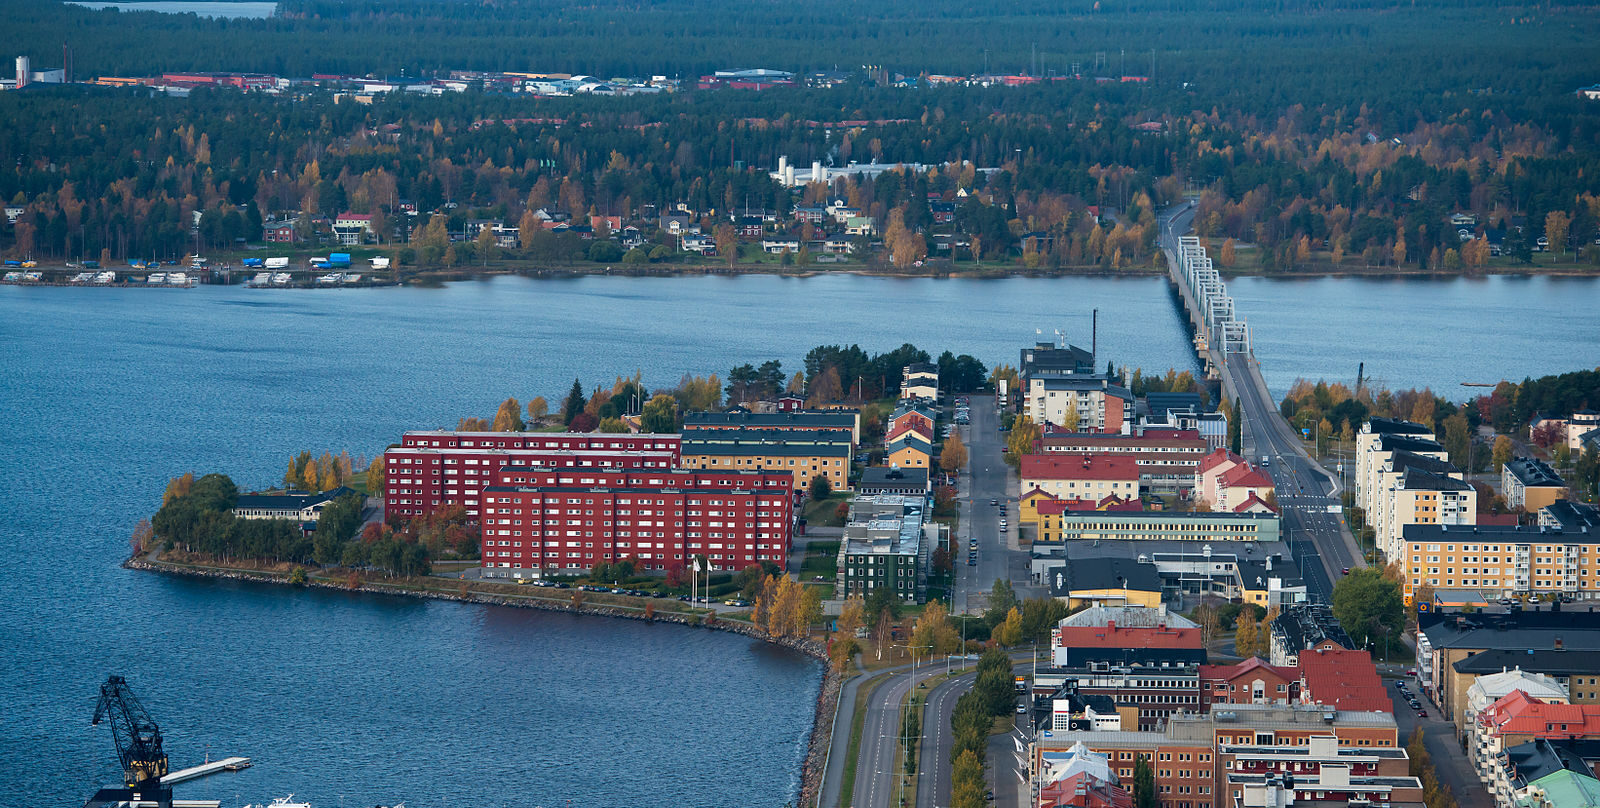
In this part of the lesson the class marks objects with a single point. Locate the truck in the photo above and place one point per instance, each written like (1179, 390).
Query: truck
(277, 263)
(339, 259)
(253, 262)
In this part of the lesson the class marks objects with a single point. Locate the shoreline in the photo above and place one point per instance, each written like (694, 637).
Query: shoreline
(812, 763)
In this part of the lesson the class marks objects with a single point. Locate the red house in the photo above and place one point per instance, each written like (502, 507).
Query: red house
(280, 233)
(1249, 682)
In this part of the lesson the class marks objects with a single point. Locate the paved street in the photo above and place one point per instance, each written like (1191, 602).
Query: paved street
(1454, 768)
(988, 478)
(933, 788)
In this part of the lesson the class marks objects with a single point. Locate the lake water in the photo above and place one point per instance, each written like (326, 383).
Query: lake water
(222, 10)
(360, 699)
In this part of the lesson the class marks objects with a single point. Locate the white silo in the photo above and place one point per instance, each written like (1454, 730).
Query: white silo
(22, 72)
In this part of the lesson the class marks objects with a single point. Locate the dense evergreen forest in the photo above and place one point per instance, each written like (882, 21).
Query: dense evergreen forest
(1356, 127)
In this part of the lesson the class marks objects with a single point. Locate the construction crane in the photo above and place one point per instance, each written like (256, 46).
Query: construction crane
(138, 742)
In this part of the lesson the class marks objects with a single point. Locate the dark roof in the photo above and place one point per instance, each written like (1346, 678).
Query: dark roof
(922, 367)
(1393, 443)
(1506, 533)
(1534, 472)
(1396, 426)
(1539, 758)
(889, 477)
(1517, 630)
(1573, 516)
(1305, 625)
(1167, 658)
(1541, 660)
(1160, 403)
(1103, 573)
(293, 500)
(1411, 460)
(815, 419)
(1047, 358)
(1254, 569)
(1419, 480)
(798, 443)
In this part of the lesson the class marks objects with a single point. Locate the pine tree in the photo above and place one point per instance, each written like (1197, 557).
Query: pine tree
(574, 404)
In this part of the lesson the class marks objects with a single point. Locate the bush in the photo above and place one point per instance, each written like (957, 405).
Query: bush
(603, 251)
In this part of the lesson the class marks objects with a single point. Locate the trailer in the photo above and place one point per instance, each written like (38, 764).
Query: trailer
(380, 263)
(339, 260)
(253, 263)
(277, 263)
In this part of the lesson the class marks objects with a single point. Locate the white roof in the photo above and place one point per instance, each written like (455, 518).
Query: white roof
(1079, 758)
(1490, 688)
(1129, 617)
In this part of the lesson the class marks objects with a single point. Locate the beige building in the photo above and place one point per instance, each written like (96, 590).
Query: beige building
(804, 453)
(1530, 484)
(1502, 561)
(1419, 497)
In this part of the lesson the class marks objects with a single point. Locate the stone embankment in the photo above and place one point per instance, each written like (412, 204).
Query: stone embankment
(812, 766)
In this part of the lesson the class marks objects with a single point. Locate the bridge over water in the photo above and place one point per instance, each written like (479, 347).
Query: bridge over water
(1308, 495)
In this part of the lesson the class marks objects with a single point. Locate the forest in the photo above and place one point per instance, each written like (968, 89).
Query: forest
(1288, 120)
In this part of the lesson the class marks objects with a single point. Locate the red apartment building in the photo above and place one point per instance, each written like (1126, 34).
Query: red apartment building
(431, 470)
(1166, 458)
(572, 519)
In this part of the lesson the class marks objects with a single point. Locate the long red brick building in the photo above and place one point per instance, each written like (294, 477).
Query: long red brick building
(429, 470)
(571, 519)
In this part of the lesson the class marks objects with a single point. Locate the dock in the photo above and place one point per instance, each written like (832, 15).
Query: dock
(205, 770)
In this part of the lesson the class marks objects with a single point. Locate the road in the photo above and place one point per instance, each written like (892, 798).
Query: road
(1454, 768)
(880, 732)
(988, 478)
(1322, 546)
(933, 787)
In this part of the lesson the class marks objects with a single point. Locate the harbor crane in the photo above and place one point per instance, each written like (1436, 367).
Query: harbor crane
(138, 742)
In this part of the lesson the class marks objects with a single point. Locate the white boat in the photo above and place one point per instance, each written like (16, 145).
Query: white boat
(380, 263)
(280, 279)
(82, 277)
(33, 276)
(177, 279)
(283, 802)
(13, 277)
(352, 278)
(331, 277)
(261, 279)
(106, 277)
(156, 277)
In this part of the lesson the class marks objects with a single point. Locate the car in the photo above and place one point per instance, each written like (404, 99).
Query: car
(994, 502)
(1400, 684)
(1422, 713)
(1411, 671)
(736, 602)
(1346, 570)
(972, 562)
(1022, 708)
(1414, 704)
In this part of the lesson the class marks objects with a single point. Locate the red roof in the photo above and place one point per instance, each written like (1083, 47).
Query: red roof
(1253, 500)
(1517, 712)
(1084, 790)
(1079, 467)
(1249, 666)
(911, 425)
(1344, 680)
(1128, 637)
(1244, 476)
(1217, 458)
(1498, 519)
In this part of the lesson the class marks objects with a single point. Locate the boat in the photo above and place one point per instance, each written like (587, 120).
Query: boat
(177, 279)
(82, 277)
(280, 279)
(156, 277)
(331, 277)
(261, 279)
(33, 276)
(106, 277)
(13, 277)
(352, 278)
(380, 263)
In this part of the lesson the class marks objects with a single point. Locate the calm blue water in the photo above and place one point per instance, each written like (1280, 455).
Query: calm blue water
(357, 699)
(205, 8)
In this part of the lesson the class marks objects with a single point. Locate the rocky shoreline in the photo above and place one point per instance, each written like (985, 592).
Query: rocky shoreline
(812, 766)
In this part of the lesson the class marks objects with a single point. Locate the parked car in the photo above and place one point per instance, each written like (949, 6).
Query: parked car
(1422, 713)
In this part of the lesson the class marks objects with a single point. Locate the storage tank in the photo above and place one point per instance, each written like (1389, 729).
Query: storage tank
(22, 71)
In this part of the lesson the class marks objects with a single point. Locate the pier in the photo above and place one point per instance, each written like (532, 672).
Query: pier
(206, 769)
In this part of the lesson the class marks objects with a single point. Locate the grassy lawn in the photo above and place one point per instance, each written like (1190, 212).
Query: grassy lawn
(823, 512)
(822, 559)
